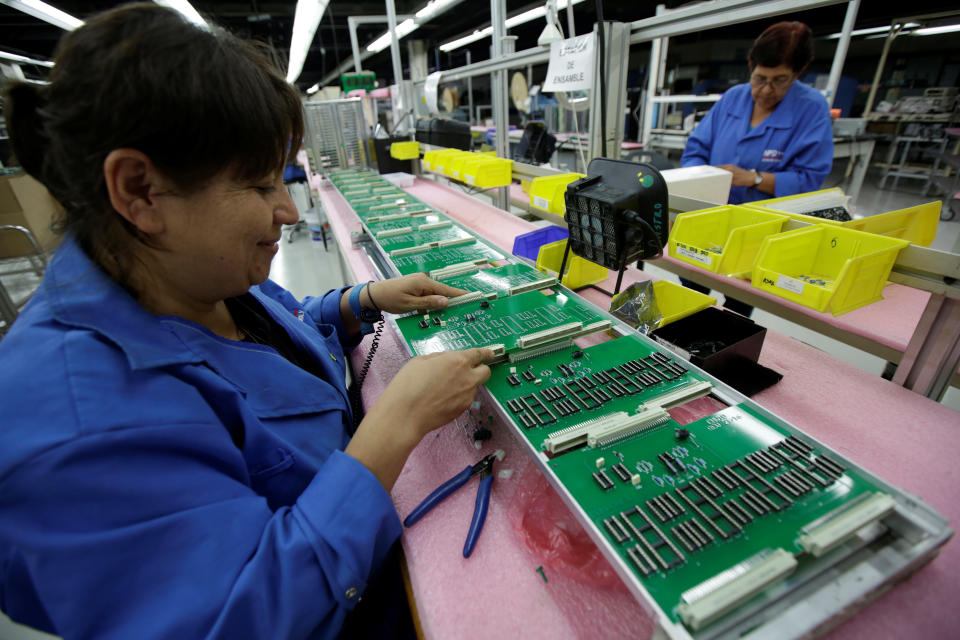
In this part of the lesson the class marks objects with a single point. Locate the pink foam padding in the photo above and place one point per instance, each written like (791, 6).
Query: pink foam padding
(906, 439)
(381, 92)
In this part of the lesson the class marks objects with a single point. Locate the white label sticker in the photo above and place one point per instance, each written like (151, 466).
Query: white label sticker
(470, 179)
(790, 284)
(455, 174)
(693, 254)
(541, 203)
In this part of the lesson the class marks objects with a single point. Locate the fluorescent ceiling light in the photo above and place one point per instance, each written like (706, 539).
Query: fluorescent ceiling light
(520, 18)
(186, 10)
(45, 12)
(433, 8)
(306, 19)
(13, 57)
(473, 37)
(932, 31)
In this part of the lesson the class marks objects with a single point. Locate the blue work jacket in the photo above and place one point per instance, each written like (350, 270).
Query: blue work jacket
(158, 481)
(795, 142)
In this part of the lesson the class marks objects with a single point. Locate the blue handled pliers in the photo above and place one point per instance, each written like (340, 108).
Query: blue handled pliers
(484, 469)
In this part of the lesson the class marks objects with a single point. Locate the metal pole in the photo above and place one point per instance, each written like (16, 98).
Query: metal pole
(894, 31)
(653, 75)
(470, 114)
(570, 24)
(354, 43)
(498, 85)
(840, 56)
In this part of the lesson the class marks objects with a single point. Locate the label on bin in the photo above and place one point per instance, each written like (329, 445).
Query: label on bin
(683, 353)
(541, 203)
(695, 254)
(470, 179)
(790, 284)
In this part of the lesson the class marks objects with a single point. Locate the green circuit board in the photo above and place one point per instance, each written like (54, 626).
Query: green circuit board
(499, 280)
(680, 505)
(487, 322)
(415, 221)
(413, 239)
(707, 515)
(428, 261)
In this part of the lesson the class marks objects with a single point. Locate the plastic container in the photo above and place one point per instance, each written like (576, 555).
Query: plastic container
(713, 337)
(407, 150)
(676, 302)
(825, 267)
(487, 172)
(917, 225)
(578, 272)
(528, 245)
(723, 240)
(445, 158)
(546, 192)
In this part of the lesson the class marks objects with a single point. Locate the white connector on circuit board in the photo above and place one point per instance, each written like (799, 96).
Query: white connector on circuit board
(712, 598)
(605, 428)
(824, 536)
(435, 225)
(467, 297)
(394, 232)
(548, 335)
(532, 286)
(459, 269)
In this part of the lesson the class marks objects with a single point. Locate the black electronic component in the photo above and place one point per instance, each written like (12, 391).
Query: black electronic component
(482, 433)
(484, 304)
(617, 214)
(423, 324)
(514, 405)
(577, 354)
(622, 472)
(436, 321)
(528, 376)
(513, 380)
(681, 434)
(603, 480)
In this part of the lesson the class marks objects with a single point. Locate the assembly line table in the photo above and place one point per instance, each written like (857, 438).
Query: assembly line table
(535, 574)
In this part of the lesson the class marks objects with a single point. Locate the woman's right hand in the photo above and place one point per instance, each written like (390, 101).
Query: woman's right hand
(427, 393)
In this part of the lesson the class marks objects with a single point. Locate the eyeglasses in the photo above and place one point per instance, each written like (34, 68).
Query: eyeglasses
(777, 84)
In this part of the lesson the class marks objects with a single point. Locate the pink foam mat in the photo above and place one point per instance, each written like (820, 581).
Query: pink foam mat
(534, 572)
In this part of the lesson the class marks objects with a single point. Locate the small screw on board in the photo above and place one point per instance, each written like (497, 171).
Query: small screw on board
(542, 574)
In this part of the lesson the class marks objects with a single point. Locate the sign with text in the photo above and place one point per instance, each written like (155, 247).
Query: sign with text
(571, 64)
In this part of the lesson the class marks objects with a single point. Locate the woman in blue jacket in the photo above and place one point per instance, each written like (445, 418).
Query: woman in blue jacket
(774, 134)
(177, 452)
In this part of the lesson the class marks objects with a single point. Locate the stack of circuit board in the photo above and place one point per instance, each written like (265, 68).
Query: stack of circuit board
(715, 518)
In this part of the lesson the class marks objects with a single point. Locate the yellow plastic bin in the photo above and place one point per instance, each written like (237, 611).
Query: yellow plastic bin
(546, 192)
(675, 301)
(487, 172)
(917, 225)
(409, 150)
(578, 273)
(826, 268)
(723, 240)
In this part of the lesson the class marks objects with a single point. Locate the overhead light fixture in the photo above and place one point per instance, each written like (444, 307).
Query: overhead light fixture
(465, 40)
(312, 90)
(932, 31)
(306, 19)
(871, 31)
(405, 28)
(520, 18)
(45, 12)
(186, 10)
(13, 57)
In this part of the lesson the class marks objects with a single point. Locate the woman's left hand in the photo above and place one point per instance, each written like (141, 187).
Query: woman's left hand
(741, 177)
(408, 293)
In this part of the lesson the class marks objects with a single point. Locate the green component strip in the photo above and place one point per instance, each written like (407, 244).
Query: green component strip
(497, 280)
(501, 321)
(440, 258)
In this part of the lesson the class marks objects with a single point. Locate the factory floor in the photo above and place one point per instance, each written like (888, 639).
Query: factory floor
(305, 267)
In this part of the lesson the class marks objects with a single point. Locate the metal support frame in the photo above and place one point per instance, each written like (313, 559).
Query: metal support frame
(614, 71)
(840, 55)
(358, 58)
(498, 85)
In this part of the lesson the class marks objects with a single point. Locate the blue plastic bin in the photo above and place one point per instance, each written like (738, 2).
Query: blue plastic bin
(528, 245)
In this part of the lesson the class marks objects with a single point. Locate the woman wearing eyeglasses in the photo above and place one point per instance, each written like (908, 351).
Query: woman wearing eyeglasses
(774, 134)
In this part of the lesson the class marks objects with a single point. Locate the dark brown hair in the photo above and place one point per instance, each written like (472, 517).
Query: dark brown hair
(196, 101)
(788, 43)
